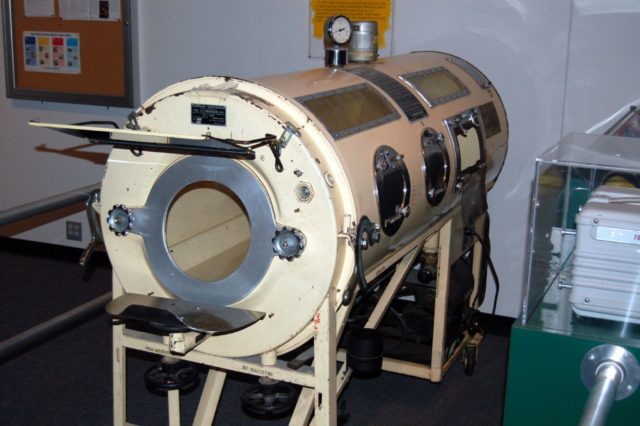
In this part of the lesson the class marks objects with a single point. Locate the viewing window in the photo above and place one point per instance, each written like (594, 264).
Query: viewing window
(436, 85)
(350, 109)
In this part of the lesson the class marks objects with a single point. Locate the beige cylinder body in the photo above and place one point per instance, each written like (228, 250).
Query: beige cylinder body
(363, 140)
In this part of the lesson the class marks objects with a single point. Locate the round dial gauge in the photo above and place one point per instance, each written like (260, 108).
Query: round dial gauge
(339, 29)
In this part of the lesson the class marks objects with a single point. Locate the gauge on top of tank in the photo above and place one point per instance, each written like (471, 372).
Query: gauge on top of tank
(338, 29)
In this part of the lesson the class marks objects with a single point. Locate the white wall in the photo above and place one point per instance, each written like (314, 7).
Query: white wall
(526, 48)
(604, 64)
(27, 174)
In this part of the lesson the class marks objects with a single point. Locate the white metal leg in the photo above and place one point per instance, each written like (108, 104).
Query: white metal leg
(402, 269)
(304, 408)
(119, 367)
(325, 404)
(442, 296)
(477, 262)
(173, 401)
(210, 397)
(119, 378)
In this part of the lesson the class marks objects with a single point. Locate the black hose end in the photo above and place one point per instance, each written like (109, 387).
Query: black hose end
(347, 296)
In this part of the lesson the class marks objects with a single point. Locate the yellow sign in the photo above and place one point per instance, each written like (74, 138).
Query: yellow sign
(355, 10)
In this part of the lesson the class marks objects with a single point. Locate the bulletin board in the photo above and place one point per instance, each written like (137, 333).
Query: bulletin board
(75, 51)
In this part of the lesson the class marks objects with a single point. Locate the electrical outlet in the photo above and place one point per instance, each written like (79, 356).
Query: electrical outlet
(74, 231)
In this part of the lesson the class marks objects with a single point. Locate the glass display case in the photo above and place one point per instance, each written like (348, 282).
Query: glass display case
(582, 285)
(586, 183)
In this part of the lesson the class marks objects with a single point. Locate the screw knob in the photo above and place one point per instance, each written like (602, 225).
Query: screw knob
(120, 220)
(288, 243)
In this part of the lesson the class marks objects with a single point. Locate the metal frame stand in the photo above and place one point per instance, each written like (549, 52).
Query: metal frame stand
(325, 379)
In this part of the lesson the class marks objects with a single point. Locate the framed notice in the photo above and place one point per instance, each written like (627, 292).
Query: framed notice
(68, 51)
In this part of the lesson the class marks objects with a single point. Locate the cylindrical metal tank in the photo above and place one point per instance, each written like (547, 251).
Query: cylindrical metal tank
(393, 140)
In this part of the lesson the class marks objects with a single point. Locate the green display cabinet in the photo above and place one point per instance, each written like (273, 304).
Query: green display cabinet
(558, 350)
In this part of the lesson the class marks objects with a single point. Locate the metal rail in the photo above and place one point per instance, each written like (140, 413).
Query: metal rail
(45, 205)
(602, 395)
(38, 334)
(41, 332)
(611, 373)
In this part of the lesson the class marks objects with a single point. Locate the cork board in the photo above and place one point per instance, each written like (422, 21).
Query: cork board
(53, 56)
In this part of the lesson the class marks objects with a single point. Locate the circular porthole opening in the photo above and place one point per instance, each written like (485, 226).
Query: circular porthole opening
(207, 231)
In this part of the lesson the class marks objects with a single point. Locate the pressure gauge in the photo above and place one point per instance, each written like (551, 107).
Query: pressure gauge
(338, 29)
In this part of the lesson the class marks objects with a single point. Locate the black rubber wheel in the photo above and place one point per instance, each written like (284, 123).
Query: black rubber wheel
(469, 358)
(163, 377)
(269, 400)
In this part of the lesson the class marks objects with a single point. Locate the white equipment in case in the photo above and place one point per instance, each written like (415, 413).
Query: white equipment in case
(607, 256)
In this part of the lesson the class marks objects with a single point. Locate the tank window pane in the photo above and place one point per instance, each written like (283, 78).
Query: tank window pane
(350, 110)
(490, 119)
(437, 85)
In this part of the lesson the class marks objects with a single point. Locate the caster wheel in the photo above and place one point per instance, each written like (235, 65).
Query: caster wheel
(469, 358)
(165, 376)
(269, 399)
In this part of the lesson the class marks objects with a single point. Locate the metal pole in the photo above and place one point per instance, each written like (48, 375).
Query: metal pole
(602, 395)
(20, 342)
(55, 202)
(611, 373)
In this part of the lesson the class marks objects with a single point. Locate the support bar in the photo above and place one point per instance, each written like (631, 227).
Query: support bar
(45, 205)
(602, 395)
(20, 342)
(612, 373)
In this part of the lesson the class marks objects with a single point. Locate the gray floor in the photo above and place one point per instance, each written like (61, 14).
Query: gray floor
(67, 380)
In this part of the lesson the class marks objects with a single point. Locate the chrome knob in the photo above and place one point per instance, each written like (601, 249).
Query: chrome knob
(120, 220)
(288, 243)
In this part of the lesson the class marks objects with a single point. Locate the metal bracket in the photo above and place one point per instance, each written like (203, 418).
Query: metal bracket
(289, 131)
(94, 226)
(467, 120)
(181, 343)
(132, 121)
(348, 231)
